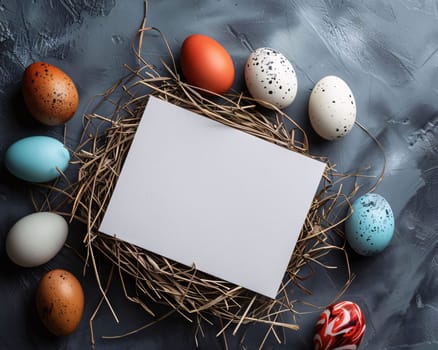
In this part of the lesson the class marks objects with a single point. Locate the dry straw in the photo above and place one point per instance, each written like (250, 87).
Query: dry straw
(194, 295)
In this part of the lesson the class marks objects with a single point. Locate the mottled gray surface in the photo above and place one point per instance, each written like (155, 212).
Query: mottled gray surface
(385, 50)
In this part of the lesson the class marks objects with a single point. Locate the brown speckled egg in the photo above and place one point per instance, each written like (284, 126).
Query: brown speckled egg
(49, 93)
(60, 302)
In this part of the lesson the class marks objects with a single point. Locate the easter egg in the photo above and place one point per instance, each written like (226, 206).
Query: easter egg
(370, 228)
(37, 158)
(332, 108)
(340, 326)
(206, 64)
(60, 302)
(36, 238)
(271, 78)
(49, 93)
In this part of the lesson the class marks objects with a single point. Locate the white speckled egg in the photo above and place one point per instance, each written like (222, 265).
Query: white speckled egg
(370, 228)
(36, 238)
(270, 77)
(332, 108)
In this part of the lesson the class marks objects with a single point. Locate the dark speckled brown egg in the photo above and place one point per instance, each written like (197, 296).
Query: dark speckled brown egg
(49, 93)
(60, 302)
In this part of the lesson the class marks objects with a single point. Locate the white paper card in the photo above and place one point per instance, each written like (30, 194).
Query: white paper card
(198, 192)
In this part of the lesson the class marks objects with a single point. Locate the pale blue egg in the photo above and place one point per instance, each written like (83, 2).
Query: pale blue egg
(370, 228)
(37, 158)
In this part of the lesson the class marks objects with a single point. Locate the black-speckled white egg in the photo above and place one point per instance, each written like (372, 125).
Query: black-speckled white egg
(332, 108)
(271, 78)
(370, 228)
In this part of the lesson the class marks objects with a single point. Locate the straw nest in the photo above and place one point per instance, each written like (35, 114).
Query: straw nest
(100, 155)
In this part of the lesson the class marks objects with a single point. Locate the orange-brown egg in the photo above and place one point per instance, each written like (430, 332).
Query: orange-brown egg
(60, 302)
(207, 64)
(49, 93)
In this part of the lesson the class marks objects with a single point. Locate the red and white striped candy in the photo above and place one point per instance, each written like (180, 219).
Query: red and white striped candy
(340, 327)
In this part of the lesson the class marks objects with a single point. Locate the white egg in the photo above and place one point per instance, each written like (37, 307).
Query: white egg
(270, 77)
(36, 238)
(332, 108)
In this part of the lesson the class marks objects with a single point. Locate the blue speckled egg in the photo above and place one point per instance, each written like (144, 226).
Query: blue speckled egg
(37, 158)
(370, 228)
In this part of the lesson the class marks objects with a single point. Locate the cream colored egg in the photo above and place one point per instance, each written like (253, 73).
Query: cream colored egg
(271, 78)
(36, 238)
(332, 108)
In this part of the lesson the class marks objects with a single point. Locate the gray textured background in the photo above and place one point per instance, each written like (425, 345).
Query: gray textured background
(385, 50)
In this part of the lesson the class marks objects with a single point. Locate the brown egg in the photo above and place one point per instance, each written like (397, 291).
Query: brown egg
(60, 302)
(49, 93)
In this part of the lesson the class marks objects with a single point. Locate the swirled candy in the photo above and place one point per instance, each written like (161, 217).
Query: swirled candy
(341, 326)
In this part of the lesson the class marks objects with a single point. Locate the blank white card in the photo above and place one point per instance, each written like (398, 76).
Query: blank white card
(199, 192)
